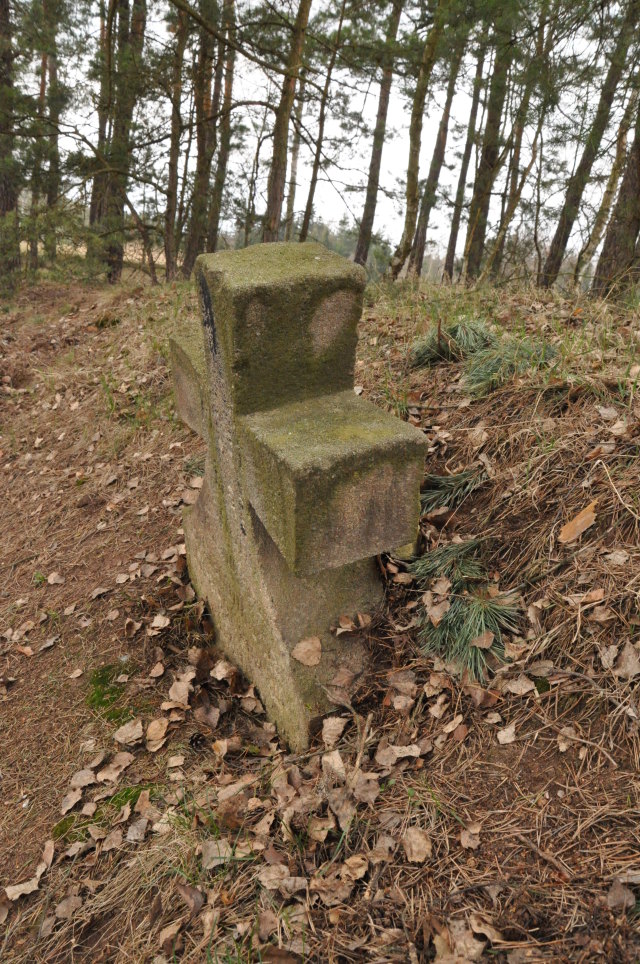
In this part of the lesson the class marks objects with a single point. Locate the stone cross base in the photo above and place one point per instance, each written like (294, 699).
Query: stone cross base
(304, 482)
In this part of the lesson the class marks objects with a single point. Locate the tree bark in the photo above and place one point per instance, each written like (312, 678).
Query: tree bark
(464, 165)
(215, 210)
(617, 264)
(491, 158)
(427, 62)
(55, 104)
(602, 217)
(104, 60)
(295, 153)
(278, 170)
(317, 157)
(416, 257)
(9, 244)
(131, 30)
(174, 147)
(579, 179)
(206, 105)
(371, 199)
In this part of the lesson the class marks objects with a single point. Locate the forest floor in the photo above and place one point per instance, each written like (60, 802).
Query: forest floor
(496, 821)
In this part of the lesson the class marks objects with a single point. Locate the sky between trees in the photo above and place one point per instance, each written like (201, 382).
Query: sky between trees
(498, 139)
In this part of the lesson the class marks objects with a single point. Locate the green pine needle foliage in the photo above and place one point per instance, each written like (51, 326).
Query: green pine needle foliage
(469, 616)
(491, 367)
(449, 490)
(451, 342)
(457, 561)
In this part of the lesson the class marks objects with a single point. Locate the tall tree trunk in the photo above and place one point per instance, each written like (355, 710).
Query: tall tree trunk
(317, 157)
(174, 147)
(104, 61)
(458, 203)
(425, 70)
(515, 183)
(278, 170)
(379, 131)
(295, 153)
(579, 179)
(250, 213)
(514, 197)
(617, 264)
(602, 217)
(416, 257)
(55, 104)
(207, 106)
(131, 30)
(215, 210)
(491, 158)
(9, 244)
(36, 176)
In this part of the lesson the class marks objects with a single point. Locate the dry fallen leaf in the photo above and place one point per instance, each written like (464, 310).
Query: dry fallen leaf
(55, 579)
(628, 664)
(308, 651)
(216, 852)
(69, 800)
(417, 845)
(619, 897)
(130, 733)
(67, 907)
(571, 530)
(507, 735)
(193, 898)
(112, 771)
(332, 729)
(470, 836)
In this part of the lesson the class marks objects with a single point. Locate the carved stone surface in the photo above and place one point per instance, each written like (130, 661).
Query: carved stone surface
(304, 482)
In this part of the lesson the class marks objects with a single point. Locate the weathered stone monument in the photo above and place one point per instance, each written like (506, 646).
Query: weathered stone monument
(304, 482)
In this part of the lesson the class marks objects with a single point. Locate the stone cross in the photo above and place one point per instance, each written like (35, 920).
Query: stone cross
(304, 483)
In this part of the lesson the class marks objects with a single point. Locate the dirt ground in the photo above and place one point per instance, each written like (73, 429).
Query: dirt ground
(436, 818)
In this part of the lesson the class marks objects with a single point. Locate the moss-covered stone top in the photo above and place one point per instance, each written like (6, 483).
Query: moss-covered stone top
(320, 434)
(280, 265)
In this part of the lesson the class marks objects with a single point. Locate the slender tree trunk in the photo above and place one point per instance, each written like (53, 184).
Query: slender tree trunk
(174, 147)
(416, 257)
(514, 198)
(183, 204)
(215, 210)
(458, 204)
(56, 98)
(131, 30)
(379, 131)
(317, 157)
(580, 178)
(278, 170)
(617, 264)
(250, 213)
(602, 217)
(105, 49)
(295, 153)
(207, 105)
(515, 183)
(490, 159)
(9, 244)
(36, 177)
(425, 70)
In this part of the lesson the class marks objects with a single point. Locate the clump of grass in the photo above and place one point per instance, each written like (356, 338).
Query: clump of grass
(456, 560)
(450, 490)
(451, 342)
(496, 364)
(469, 617)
